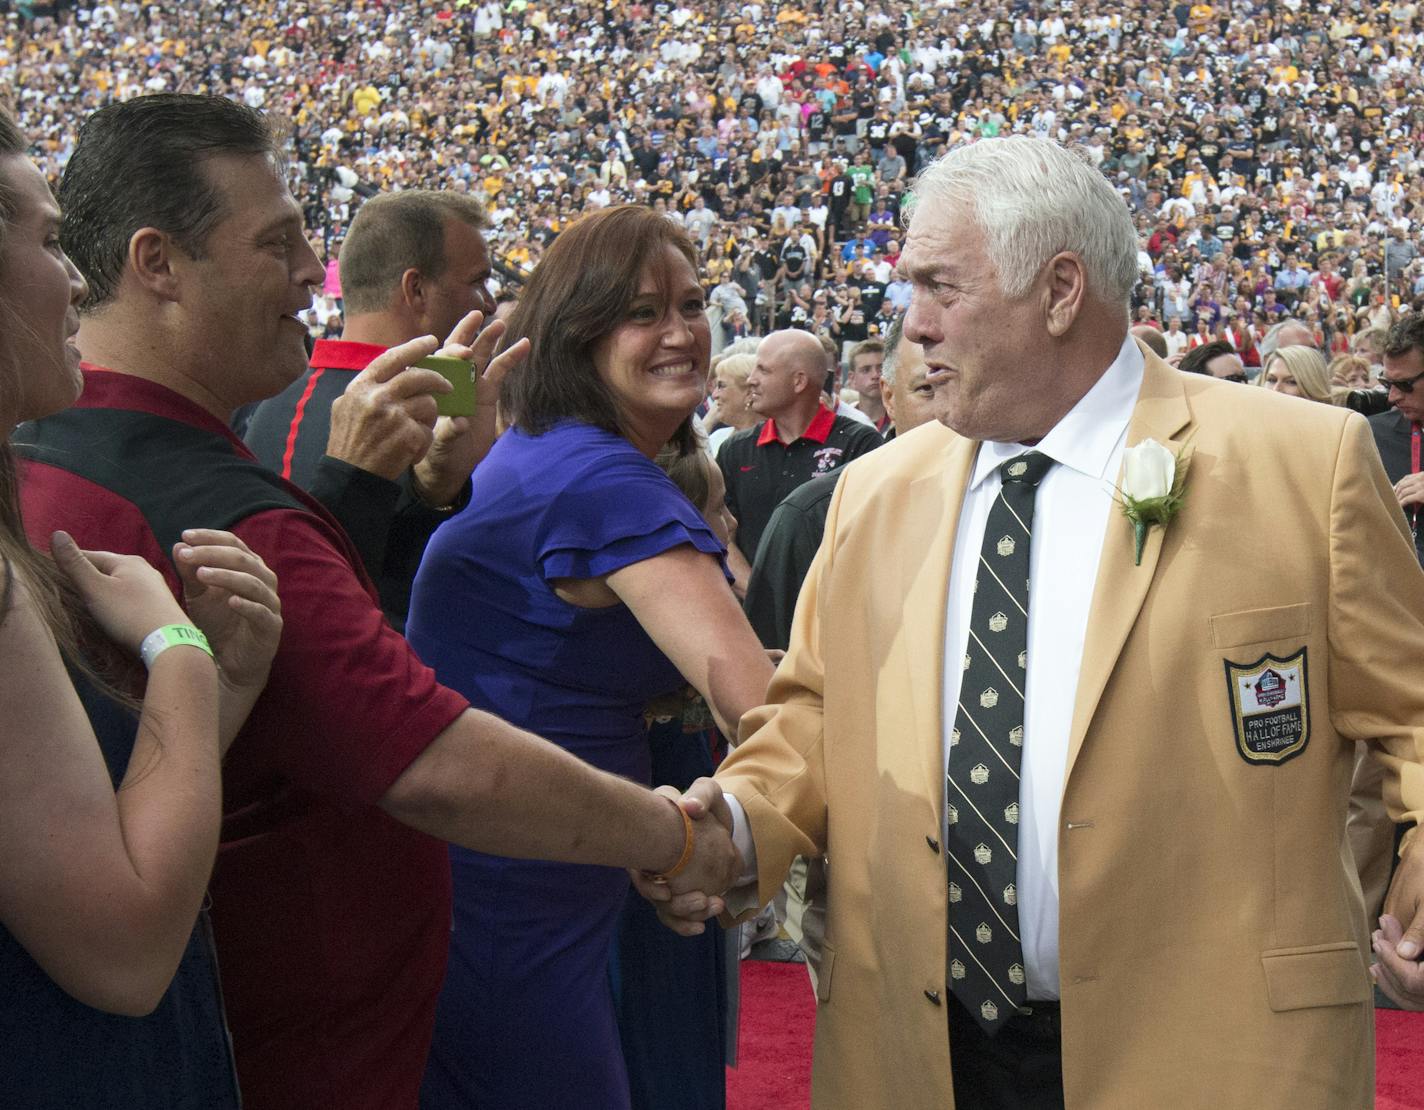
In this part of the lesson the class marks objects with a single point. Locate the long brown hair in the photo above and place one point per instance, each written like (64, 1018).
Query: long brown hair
(50, 591)
(580, 291)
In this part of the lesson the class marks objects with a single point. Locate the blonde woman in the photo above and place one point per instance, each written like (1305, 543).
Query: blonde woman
(1299, 372)
(728, 411)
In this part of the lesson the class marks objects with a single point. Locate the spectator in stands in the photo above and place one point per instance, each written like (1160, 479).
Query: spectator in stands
(1285, 333)
(798, 438)
(1350, 372)
(1217, 359)
(1175, 338)
(1299, 372)
(1151, 338)
(729, 411)
(866, 361)
(413, 264)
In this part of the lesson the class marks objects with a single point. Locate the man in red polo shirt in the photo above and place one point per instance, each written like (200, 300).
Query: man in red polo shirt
(413, 263)
(799, 439)
(331, 898)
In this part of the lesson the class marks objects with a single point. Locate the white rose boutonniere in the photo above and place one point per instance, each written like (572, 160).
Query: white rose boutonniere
(1152, 489)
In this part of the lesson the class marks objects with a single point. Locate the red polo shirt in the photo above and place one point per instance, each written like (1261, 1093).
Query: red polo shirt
(760, 470)
(331, 919)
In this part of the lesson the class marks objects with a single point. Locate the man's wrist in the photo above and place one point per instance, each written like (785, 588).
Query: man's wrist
(686, 837)
(434, 495)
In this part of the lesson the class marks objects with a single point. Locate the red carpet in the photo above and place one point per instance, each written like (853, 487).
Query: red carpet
(778, 1018)
(1399, 1062)
(774, 1049)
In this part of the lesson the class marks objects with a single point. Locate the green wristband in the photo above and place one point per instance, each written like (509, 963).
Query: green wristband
(171, 635)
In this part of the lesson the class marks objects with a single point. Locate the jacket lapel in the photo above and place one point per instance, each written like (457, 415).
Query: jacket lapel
(1161, 414)
(926, 543)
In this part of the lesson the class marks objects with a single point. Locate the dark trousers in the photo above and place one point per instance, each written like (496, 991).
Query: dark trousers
(1019, 1068)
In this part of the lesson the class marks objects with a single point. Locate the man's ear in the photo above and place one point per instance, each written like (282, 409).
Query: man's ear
(414, 290)
(1065, 288)
(156, 262)
(887, 398)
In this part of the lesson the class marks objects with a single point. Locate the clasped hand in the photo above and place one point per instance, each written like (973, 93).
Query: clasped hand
(1399, 941)
(692, 896)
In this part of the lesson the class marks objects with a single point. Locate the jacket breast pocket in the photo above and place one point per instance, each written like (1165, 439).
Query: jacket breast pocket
(1317, 975)
(1258, 626)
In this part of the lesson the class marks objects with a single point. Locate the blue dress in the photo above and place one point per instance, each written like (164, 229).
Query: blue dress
(670, 992)
(525, 1019)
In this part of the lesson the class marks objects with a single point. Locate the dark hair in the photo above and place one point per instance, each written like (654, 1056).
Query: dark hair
(1195, 360)
(396, 232)
(1405, 336)
(578, 293)
(56, 600)
(141, 163)
(12, 142)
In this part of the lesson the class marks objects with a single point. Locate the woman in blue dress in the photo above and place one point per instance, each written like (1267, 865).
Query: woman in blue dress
(578, 584)
(108, 818)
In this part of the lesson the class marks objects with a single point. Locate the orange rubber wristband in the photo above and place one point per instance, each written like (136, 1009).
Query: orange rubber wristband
(686, 857)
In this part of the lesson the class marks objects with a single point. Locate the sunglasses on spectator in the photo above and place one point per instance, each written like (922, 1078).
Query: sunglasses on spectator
(1240, 379)
(1404, 385)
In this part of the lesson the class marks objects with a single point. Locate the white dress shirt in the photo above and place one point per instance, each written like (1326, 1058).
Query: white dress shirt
(1075, 500)
(1070, 521)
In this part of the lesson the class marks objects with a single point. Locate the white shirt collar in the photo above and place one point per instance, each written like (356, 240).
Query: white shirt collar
(1087, 438)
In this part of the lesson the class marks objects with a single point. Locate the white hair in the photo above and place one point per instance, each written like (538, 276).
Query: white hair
(894, 336)
(1034, 198)
(747, 345)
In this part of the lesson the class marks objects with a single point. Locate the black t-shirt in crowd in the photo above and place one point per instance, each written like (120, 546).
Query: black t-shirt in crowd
(760, 471)
(793, 257)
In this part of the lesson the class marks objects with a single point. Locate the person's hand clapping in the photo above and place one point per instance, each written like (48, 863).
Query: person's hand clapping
(231, 594)
(123, 593)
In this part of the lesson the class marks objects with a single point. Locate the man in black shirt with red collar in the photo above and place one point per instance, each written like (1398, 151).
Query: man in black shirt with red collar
(413, 263)
(798, 439)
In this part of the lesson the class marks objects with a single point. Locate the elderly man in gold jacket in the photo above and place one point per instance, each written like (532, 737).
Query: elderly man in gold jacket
(1185, 925)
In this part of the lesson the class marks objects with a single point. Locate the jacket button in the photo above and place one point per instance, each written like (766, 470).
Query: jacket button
(933, 996)
(933, 843)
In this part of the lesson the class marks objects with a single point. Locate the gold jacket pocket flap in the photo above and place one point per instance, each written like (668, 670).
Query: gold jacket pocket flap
(1258, 626)
(1320, 975)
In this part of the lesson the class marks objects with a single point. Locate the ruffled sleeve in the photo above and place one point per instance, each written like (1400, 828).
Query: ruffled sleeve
(618, 512)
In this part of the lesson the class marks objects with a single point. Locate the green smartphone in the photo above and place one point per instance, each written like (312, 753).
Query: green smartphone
(461, 374)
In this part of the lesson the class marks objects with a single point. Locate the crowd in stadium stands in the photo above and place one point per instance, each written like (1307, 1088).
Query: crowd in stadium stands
(1267, 149)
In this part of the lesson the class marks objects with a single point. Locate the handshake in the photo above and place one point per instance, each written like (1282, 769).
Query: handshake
(691, 893)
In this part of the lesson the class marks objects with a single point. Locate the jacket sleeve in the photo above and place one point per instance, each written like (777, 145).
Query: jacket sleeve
(777, 772)
(1376, 623)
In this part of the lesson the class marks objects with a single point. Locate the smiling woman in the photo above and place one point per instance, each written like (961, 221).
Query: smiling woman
(601, 588)
(596, 329)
